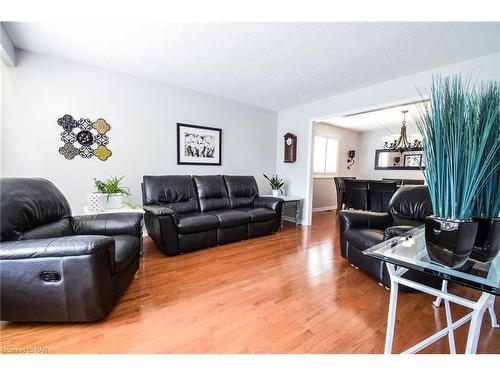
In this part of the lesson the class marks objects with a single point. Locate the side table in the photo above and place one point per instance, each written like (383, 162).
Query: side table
(290, 202)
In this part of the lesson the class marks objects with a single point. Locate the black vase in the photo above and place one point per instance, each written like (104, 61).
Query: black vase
(449, 242)
(487, 244)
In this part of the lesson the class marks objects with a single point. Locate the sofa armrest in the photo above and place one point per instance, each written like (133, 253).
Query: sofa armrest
(159, 210)
(364, 219)
(56, 247)
(108, 224)
(396, 231)
(273, 203)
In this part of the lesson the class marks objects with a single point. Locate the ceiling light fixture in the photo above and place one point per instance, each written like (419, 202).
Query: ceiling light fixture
(401, 143)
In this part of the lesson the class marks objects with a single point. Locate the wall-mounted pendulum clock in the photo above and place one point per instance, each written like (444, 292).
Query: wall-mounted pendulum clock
(290, 148)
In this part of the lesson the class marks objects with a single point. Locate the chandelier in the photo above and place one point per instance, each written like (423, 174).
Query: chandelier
(401, 143)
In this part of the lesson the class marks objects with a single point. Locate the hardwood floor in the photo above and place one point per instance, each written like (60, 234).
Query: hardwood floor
(291, 292)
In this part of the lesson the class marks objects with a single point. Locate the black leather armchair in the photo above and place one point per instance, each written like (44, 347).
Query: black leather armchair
(360, 230)
(185, 213)
(59, 268)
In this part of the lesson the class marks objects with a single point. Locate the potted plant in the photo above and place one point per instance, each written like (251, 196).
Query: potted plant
(486, 214)
(456, 126)
(113, 189)
(276, 185)
(486, 211)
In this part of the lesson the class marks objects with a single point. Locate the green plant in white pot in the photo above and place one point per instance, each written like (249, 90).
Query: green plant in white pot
(113, 189)
(276, 184)
(456, 126)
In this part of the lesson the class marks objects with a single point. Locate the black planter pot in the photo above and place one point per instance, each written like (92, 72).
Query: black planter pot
(487, 244)
(449, 242)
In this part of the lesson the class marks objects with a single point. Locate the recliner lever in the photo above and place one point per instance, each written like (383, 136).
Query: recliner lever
(50, 276)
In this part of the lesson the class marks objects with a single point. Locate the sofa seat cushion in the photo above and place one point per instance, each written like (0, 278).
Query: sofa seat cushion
(230, 218)
(196, 222)
(126, 249)
(364, 238)
(260, 214)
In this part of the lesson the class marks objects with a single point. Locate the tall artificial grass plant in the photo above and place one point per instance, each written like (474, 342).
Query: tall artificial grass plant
(487, 200)
(461, 145)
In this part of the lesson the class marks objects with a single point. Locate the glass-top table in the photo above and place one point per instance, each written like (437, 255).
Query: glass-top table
(410, 252)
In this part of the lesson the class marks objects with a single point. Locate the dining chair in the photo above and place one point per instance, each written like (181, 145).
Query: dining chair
(380, 194)
(340, 190)
(399, 181)
(357, 194)
(413, 182)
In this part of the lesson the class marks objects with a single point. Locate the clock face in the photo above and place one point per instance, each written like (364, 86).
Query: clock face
(289, 141)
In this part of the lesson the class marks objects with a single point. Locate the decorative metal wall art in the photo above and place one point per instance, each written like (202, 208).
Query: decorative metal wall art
(84, 134)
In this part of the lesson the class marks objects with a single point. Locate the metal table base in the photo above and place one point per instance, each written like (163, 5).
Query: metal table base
(479, 307)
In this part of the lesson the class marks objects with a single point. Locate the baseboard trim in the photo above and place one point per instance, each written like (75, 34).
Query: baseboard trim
(328, 208)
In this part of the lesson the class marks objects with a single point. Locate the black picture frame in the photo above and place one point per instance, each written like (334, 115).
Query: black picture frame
(405, 161)
(200, 129)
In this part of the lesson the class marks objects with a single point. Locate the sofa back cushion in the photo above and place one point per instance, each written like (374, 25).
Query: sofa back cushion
(32, 208)
(175, 192)
(212, 193)
(242, 190)
(410, 205)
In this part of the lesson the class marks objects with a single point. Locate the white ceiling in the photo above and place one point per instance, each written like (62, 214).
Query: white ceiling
(271, 65)
(386, 119)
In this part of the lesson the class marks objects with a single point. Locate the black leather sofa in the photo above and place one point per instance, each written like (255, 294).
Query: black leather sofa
(59, 268)
(360, 230)
(185, 213)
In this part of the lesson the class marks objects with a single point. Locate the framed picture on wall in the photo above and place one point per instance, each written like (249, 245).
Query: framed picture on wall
(413, 160)
(198, 145)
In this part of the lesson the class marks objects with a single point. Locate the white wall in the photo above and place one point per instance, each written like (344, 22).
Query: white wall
(368, 143)
(298, 120)
(143, 116)
(324, 195)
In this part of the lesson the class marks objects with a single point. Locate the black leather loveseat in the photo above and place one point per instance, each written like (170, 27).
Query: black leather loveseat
(59, 268)
(184, 213)
(360, 230)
